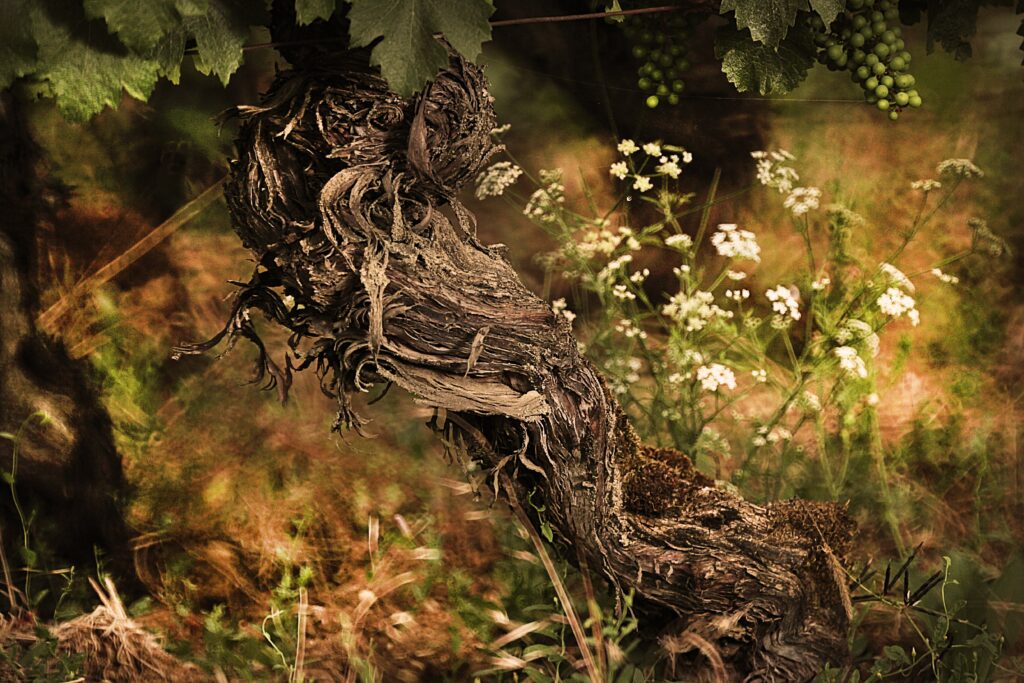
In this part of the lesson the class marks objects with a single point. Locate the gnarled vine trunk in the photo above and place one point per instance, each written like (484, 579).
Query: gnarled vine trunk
(346, 194)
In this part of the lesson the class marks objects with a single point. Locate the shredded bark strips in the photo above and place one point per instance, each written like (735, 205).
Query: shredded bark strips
(346, 194)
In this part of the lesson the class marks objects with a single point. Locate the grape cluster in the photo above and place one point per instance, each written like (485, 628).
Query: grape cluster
(866, 39)
(660, 44)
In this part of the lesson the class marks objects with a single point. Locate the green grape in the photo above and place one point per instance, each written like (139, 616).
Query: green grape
(887, 81)
(876, 17)
(662, 90)
(644, 83)
(639, 52)
(882, 104)
(675, 49)
(871, 83)
(673, 99)
(878, 69)
(857, 40)
(660, 45)
(859, 22)
(871, 59)
(657, 75)
(879, 28)
(900, 44)
(651, 101)
(665, 60)
(835, 52)
(882, 91)
(889, 38)
(678, 86)
(881, 49)
(897, 64)
(859, 56)
(902, 99)
(862, 73)
(683, 64)
(915, 102)
(893, 115)
(655, 55)
(671, 74)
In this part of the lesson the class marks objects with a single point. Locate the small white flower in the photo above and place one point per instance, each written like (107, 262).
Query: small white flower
(669, 168)
(821, 283)
(627, 147)
(694, 312)
(779, 434)
(735, 275)
(784, 302)
(809, 402)
(758, 441)
(653, 149)
(959, 168)
(681, 242)
(629, 329)
(642, 184)
(925, 185)
(716, 375)
(687, 157)
(561, 308)
(760, 375)
(802, 199)
(945, 277)
(639, 276)
(737, 295)
(850, 361)
(896, 276)
(894, 302)
(619, 170)
(621, 292)
(731, 242)
(493, 181)
(872, 399)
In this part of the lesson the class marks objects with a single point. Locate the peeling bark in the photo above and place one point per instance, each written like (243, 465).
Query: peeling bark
(346, 194)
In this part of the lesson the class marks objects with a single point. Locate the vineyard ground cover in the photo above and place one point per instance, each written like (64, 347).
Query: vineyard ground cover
(245, 504)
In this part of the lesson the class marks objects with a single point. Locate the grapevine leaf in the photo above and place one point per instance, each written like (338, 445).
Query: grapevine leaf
(140, 26)
(17, 46)
(407, 53)
(84, 68)
(768, 20)
(168, 54)
(220, 33)
(828, 10)
(752, 66)
(308, 11)
(952, 24)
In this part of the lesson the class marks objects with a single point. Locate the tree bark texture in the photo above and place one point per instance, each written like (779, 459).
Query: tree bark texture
(346, 194)
(69, 465)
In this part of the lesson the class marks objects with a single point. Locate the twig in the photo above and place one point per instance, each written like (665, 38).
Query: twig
(48, 319)
(298, 673)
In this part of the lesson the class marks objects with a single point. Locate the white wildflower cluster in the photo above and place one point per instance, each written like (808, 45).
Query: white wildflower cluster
(850, 361)
(926, 185)
(545, 202)
(653, 149)
(669, 165)
(608, 273)
(493, 181)
(714, 376)
(735, 275)
(680, 242)
(772, 172)
(619, 170)
(732, 242)
(896, 276)
(604, 241)
(959, 168)
(777, 434)
(624, 373)
(945, 277)
(821, 283)
(629, 329)
(561, 308)
(642, 183)
(627, 147)
(737, 295)
(695, 311)
(802, 199)
(760, 375)
(639, 276)
(784, 303)
(858, 333)
(895, 302)
(622, 292)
